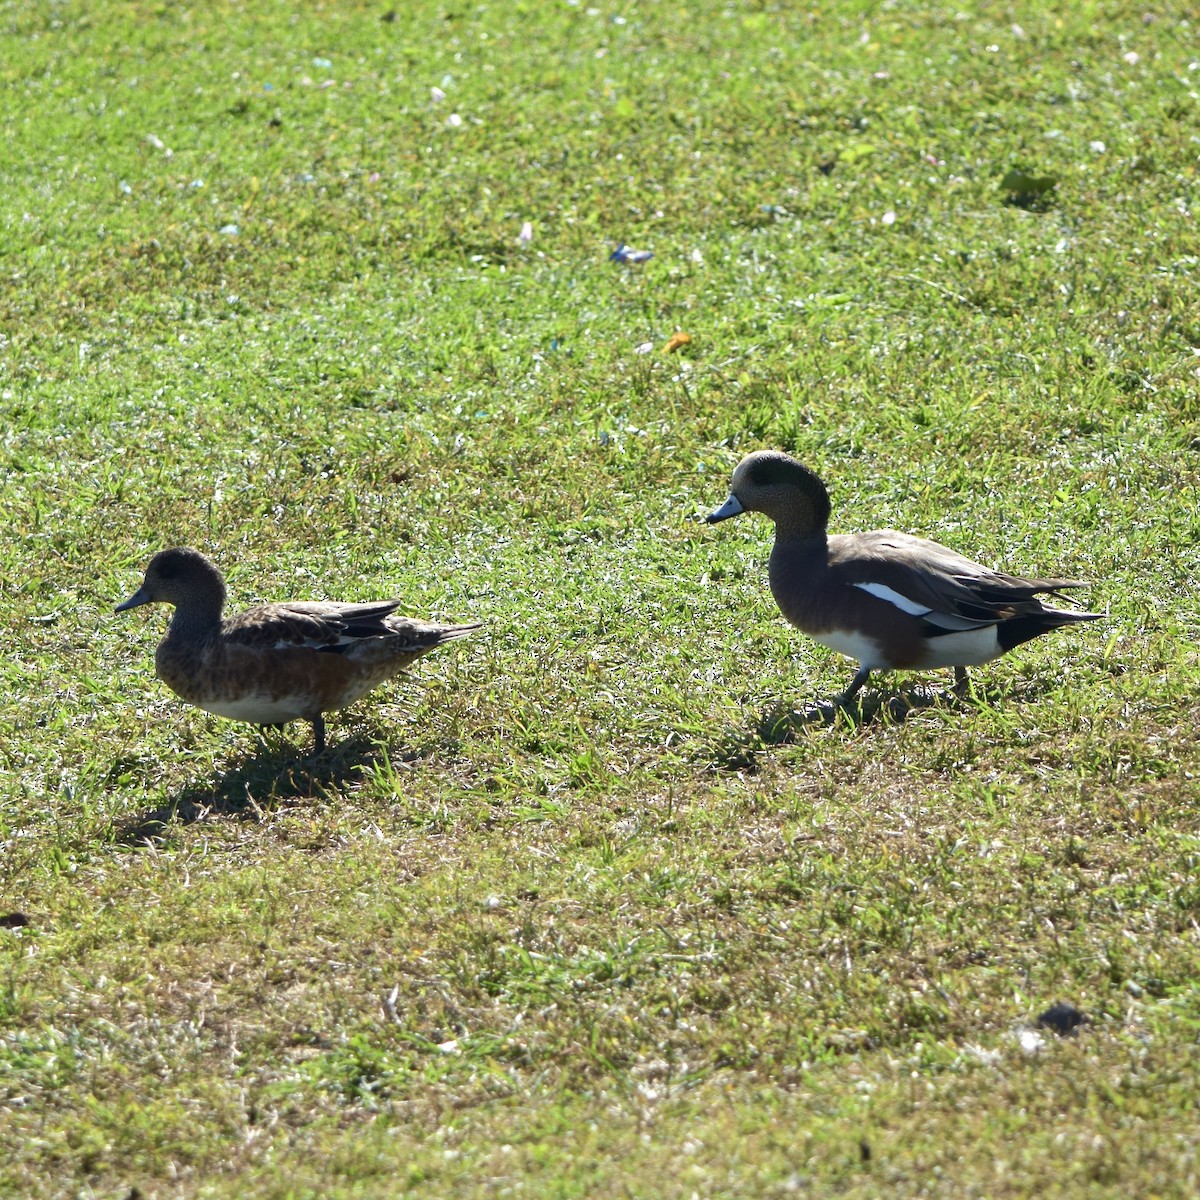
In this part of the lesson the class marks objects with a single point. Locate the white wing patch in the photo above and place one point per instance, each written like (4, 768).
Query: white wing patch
(310, 643)
(903, 603)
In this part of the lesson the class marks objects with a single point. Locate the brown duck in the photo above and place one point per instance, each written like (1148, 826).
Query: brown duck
(277, 662)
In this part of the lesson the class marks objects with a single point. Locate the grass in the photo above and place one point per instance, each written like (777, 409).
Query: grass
(577, 908)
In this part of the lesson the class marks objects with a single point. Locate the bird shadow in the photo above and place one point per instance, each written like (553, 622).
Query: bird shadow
(269, 778)
(737, 749)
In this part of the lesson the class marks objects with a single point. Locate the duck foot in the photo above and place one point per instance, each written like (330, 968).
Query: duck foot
(829, 712)
(962, 684)
(823, 712)
(858, 712)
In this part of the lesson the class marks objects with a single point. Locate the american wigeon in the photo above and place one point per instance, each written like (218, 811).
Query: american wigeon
(278, 662)
(890, 600)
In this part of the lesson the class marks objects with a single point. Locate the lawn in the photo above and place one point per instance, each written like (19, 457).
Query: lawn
(579, 907)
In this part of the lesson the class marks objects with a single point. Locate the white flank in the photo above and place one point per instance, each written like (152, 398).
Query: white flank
(863, 649)
(261, 710)
(903, 603)
(966, 649)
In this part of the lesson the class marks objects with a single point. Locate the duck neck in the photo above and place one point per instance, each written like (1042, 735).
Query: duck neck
(801, 514)
(198, 618)
(798, 529)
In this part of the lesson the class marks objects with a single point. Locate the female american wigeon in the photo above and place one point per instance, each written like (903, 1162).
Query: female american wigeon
(890, 600)
(278, 662)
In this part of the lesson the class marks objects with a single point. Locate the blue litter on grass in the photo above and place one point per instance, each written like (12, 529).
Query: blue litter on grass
(624, 254)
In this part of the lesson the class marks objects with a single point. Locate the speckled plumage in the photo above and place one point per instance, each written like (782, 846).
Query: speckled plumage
(277, 662)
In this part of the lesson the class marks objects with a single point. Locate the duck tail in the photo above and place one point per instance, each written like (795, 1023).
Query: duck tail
(449, 633)
(1024, 628)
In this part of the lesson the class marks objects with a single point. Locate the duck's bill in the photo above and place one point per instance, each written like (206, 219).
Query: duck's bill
(730, 508)
(136, 600)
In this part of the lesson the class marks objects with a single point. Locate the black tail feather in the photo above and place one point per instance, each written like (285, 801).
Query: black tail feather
(1024, 628)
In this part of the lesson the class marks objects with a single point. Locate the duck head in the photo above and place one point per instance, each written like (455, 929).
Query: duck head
(181, 577)
(774, 483)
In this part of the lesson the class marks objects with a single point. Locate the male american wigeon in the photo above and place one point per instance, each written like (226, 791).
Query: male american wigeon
(890, 600)
(277, 662)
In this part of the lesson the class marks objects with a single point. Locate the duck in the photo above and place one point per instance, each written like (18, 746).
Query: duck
(889, 600)
(277, 662)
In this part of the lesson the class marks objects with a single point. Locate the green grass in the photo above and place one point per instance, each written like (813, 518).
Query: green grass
(574, 909)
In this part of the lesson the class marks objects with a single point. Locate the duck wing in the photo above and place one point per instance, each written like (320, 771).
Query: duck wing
(318, 625)
(931, 581)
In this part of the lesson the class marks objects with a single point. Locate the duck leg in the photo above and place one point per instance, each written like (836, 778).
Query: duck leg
(318, 724)
(856, 684)
(962, 684)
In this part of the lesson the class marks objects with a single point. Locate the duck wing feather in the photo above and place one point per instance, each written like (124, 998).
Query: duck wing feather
(956, 592)
(319, 625)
